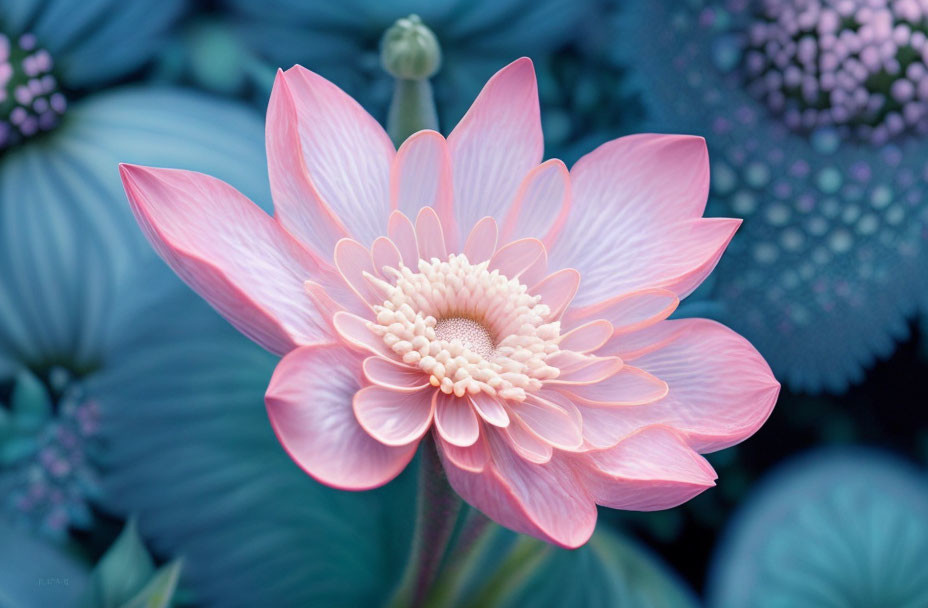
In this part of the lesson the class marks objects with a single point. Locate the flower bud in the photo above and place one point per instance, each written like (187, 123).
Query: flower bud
(409, 50)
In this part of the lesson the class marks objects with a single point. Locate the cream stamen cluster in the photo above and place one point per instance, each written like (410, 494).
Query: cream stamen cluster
(468, 328)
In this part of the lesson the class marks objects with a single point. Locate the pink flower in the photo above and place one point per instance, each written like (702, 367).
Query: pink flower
(438, 288)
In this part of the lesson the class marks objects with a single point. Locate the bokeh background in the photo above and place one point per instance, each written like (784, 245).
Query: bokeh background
(136, 460)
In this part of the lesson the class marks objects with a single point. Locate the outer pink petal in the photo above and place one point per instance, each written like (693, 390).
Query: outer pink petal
(546, 501)
(635, 201)
(496, 143)
(421, 177)
(650, 470)
(347, 154)
(541, 205)
(720, 388)
(394, 417)
(231, 253)
(455, 419)
(298, 205)
(309, 404)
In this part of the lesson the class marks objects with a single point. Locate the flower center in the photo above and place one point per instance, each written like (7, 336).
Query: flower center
(469, 329)
(472, 335)
(30, 99)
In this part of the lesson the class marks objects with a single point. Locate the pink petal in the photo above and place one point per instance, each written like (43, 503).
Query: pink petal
(354, 331)
(481, 243)
(541, 204)
(517, 257)
(590, 371)
(421, 177)
(309, 405)
(557, 290)
(385, 254)
(403, 235)
(347, 153)
(720, 388)
(629, 386)
(547, 501)
(455, 419)
(394, 375)
(472, 458)
(526, 443)
(490, 409)
(549, 422)
(635, 218)
(587, 337)
(321, 300)
(231, 253)
(298, 205)
(650, 470)
(631, 311)
(353, 260)
(496, 143)
(430, 236)
(394, 417)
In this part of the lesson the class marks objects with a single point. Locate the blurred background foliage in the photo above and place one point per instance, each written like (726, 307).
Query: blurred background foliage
(137, 466)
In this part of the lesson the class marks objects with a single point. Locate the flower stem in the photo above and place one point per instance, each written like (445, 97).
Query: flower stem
(411, 109)
(436, 514)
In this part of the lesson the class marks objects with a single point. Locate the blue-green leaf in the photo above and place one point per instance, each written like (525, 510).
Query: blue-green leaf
(122, 572)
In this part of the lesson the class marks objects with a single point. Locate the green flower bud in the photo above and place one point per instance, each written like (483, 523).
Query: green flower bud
(409, 50)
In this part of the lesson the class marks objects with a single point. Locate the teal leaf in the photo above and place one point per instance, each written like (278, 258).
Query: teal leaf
(610, 571)
(159, 592)
(122, 572)
(36, 574)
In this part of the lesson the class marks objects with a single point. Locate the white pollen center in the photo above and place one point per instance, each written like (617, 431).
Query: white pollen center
(428, 320)
(473, 335)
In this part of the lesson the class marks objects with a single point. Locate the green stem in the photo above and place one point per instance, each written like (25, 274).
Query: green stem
(436, 513)
(411, 109)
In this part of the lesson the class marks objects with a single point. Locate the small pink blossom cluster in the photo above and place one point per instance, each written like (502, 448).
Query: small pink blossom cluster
(30, 99)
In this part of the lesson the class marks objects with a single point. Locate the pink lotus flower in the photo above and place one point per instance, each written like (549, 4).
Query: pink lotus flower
(438, 288)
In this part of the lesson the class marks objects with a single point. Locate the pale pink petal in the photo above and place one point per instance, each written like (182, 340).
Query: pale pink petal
(629, 386)
(541, 204)
(549, 422)
(472, 458)
(298, 205)
(354, 331)
(394, 417)
(353, 260)
(517, 257)
(557, 290)
(591, 370)
(720, 388)
(631, 345)
(564, 359)
(231, 253)
(496, 143)
(629, 312)
(347, 153)
(455, 419)
(421, 177)
(309, 405)
(323, 302)
(650, 470)
(394, 375)
(636, 204)
(526, 443)
(429, 235)
(403, 235)
(385, 254)
(547, 501)
(490, 409)
(481, 243)
(587, 337)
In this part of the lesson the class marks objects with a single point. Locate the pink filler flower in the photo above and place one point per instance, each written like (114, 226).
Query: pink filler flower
(438, 287)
